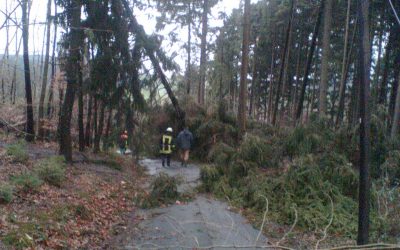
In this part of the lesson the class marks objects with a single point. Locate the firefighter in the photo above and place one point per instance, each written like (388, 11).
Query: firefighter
(167, 146)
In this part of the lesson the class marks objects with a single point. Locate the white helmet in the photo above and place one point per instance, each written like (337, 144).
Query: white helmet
(170, 130)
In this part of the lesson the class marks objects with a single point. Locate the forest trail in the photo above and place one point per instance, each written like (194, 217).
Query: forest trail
(203, 223)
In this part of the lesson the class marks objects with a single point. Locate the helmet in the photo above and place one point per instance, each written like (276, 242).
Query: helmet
(170, 129)
(125, 132)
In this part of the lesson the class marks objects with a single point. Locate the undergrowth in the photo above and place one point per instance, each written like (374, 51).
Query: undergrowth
(316, 173)
(52, 170)
(6, 193)
(26, 182)
(18, 152)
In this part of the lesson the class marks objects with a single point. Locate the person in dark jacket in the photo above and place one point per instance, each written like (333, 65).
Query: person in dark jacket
(167, 146)
(185, 143)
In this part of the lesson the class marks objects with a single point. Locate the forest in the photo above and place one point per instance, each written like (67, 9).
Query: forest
(294, 107)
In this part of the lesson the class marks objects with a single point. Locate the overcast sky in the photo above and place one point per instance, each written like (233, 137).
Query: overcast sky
(38, 15)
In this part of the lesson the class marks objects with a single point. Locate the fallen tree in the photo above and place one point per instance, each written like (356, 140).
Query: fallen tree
(151, 50)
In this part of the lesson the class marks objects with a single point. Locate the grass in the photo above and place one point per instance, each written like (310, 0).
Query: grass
(52, 170)
(110, 163)
(26, 182)
(18, 152)
(25, 236)
(6, 193)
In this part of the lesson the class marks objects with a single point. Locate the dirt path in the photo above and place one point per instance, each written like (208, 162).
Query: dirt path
(201, 224)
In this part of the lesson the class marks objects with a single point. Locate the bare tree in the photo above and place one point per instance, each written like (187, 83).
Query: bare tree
(30, 131)
(45, 71)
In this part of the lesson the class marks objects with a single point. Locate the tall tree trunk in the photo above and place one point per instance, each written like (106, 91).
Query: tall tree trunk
(45, 72)
(343, 81)
(80, 113)
(286, 80)
(53, 68)
(364, 74)
(99, 131)
(106, 143)
(281, 72)
(395, 85)
(244, 69)
(353, 113)
(382, 95)
(254, 81)
(342, 88)
(88, 121)
(189, 51)
(30, 131)
(293, 98)
(203, 54)
(379, 60)
(72, 81)
(326, 43)
(396, 116)
(95, 119)
(309, 61)
(271, 85)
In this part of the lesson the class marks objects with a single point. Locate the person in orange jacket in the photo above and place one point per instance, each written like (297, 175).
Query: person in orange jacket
(123, 142)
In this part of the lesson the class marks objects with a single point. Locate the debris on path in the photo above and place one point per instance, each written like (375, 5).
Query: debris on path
(201, 223)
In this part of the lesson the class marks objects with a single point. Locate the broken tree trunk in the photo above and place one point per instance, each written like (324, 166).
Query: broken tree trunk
(136, 28)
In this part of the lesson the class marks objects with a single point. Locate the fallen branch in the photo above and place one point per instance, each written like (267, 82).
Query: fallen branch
(370, 246)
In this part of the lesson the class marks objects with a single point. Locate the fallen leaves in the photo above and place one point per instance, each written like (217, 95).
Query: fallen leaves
(80, 214)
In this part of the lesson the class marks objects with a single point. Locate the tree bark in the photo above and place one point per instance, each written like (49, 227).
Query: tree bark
(99, 131)
(364, 75)
(342, 88)
(382, 95)
(286, 80)
(396, 116)
(343, 84)
(30, 131)
(326, 42)
(72, 81)
(53, 67)
(88, 121)
(244, 69)
(45, 72)
(309, 61)
(395, 85)
(189, 51)
(254, 81)
(203, 54)
(80, 113)
(281, 72)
